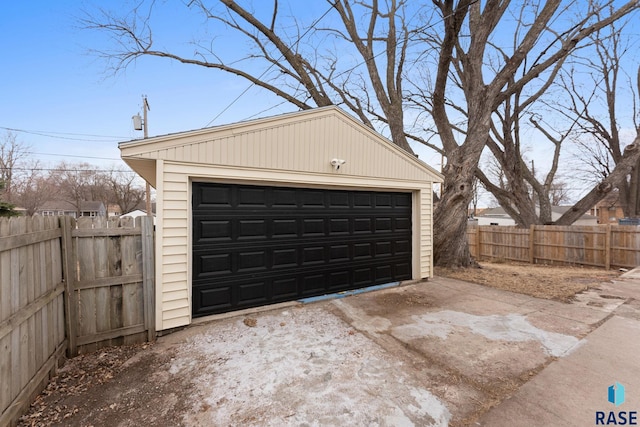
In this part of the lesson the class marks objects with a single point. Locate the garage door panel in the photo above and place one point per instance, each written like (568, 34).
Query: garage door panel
(383, 225)
(362, 276)
(362, 225)
(251, 229)
(211, 299)
(402, 247)
(252, 261)
(259, 245)
(284, 198)
(313, 255)
(251, 197)
(311, 198)
(283, 258)
(402, 224)
(339, 253)
(339, 200)
(312, 227)
(362, 200)
(253, 293)
(209, 197)
(312, 284)
(383, 249)
(215, 230)
(282, 228)
(285, 288)
(362, 250)
(339, 279)
(215, 264)
(384, 273)
(403, 269)
(339, 226)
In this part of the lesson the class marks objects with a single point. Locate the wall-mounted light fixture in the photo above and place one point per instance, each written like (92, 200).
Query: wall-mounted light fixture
(336, 163)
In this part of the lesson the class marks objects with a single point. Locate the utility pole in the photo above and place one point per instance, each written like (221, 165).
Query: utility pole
(145, 109)
(142, 124)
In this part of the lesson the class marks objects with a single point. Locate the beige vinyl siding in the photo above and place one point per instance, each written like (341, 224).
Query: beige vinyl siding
(301, 145)
(426, 233)
(174, 250)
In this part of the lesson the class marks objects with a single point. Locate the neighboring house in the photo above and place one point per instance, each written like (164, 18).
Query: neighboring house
(280, 209)
(498, 216)
(137, 213)
(113, 211)
(62, 207)
(608, 210)
(494, 216)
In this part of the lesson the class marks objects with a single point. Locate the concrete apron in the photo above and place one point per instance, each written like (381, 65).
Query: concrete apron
(574, 390)
(474, 347)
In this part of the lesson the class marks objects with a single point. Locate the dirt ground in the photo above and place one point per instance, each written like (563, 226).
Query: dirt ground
(86, 387)
(560, 283)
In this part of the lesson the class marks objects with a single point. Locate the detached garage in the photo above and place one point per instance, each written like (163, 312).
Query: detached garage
(280, 209)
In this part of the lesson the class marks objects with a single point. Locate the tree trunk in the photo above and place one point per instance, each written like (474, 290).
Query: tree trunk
(635, 190)
(450, 243)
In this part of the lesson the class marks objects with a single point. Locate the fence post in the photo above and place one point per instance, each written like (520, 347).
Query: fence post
(607, 247)
(148, 275)
(478, 243)
(532, 247)
(69, 274)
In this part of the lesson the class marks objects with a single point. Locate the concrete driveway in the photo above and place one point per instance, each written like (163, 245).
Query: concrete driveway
(441, 352)
(434, 353)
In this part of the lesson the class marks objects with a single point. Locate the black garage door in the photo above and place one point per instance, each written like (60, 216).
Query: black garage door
(255, 245)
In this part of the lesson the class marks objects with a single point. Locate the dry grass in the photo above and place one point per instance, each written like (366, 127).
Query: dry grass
(560, 283)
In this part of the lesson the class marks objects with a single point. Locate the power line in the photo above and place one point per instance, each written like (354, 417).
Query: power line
(313, 24)
(264, 111)
(71, 155)
(70, 170)
(58, 135)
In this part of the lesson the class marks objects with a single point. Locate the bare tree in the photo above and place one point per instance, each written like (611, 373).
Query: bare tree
(32, 188)
(597, 111)
(539, 49)
(123, 190)
(458, 37)
(559, 193)
(12, 152)
(77, 183)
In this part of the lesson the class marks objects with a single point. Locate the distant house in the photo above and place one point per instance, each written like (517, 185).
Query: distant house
(608, 210)
(62, 207)
(137, 213)
(113, 211)
(495, 216)
(498, 216)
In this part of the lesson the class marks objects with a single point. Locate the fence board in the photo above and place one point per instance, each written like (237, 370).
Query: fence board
(599, 246)
(5, 371)
(110, 283)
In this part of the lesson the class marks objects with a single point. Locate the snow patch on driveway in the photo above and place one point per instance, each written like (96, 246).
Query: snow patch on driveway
(512, 327)
(299, 367)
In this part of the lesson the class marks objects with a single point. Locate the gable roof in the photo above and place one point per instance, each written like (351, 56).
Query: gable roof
(303, 141)
(63, 205)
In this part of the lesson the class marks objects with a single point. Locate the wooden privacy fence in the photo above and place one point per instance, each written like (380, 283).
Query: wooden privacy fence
(32, 331)
(598, 246)
(68, 286)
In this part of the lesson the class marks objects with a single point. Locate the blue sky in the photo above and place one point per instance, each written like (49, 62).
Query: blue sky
(53, 88)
